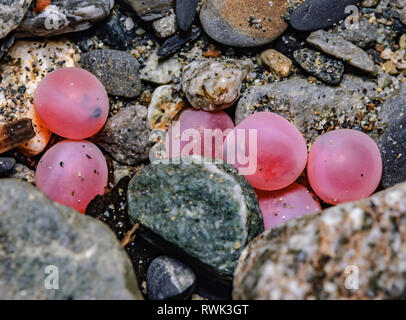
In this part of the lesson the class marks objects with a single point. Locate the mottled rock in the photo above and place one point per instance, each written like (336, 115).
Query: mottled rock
(29, 63)
(244, 23)
(64, 16)
(342, 49)
(161, 72)
(392, 143)
(319, 65)
(6, 166)
(363, 35)
(279, 65)
(322, 256)
(12, 12)
(23, 173)
(149, 10)
(165, 27)
(40, 238)
(319, 14)
(168, 278)
(6, 43)
(212, 85)
(177, 41)
(117, 70)
(314, 108)
(126, 135)
(186, 11)
(165, 104)
(205, 210)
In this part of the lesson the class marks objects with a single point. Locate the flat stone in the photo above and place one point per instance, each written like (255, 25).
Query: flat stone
(323, 255)
(160, 71)
(392, 143)
(126, 135)
(149, 10)
(186, 11)
(12, 12)
(212, 85)
(313, 108)
(244, 23)
(342, 49)
(204, 212)
(29, 63)
(165, 27)
(6, 43)
(178, 41)
(168, 278)
(319, 65)
(64, 16)
(117, 70)
(319, 14)
(41, 239)
(6, 166)
(364, 36)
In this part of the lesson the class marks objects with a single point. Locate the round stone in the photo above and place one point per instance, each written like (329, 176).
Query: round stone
(244, 23)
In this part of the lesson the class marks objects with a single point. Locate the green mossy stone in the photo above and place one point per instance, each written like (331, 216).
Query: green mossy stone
(207, 210)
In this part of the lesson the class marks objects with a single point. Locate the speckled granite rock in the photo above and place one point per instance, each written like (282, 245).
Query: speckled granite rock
(12, 12)
(168, 278)
(207, 211)
(29, 62)
(392, 143)
(149, 10)
(314, 108)
(64, 16)
(165, 27)
(126, 135)
(6, 43)
(342, 49)
(160, 71)
(37, 233)
(212, 85)
(321, 66)
(313, 257)
(244, 23)
(117, 70)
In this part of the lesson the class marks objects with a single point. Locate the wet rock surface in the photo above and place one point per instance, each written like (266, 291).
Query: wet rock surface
(210, 85)
(342, 49)
(12, 12)
(126, 135)
(90, 262)
(64, 16)
(149, 10)
(312, 108)
(392, 143)
(117, 70)
(168, 278)
(211, 227)
(244, 23)
(314, 257)
(319, 14)
(321, 66)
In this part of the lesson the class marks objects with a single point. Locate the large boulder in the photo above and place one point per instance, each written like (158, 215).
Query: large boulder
(48, 251)
(354, 250)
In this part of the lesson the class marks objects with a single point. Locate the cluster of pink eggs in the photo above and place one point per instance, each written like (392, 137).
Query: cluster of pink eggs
(342, 165)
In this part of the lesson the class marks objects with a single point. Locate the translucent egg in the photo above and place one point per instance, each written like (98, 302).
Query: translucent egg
(72, 173)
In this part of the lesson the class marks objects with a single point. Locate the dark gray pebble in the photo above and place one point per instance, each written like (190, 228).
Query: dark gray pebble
(168, 278)
(177, 41)
(185, 13)
(319, 14)
(117, 70)
(149, 10)
(6, 166)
